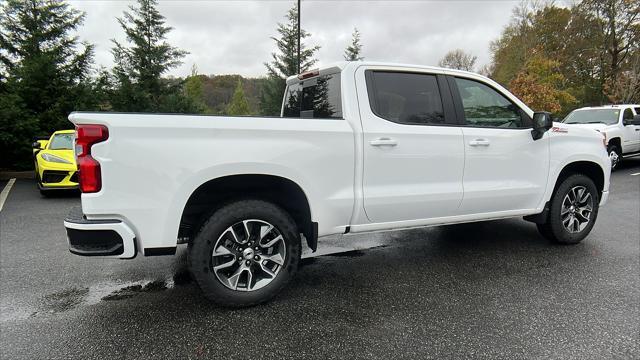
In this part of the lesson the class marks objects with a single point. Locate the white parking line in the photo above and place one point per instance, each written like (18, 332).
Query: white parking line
(5, 192)
(635, 174)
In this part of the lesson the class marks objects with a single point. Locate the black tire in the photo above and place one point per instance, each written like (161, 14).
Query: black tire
(201, 249)
(554, 229)
(615, 161)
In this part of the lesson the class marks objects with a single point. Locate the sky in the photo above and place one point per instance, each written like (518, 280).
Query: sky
(233, 37)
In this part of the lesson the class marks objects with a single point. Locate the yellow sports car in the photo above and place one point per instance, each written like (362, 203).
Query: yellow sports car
(55, 162)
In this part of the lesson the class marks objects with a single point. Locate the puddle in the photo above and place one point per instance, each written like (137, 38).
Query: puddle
(132, 290)
(70, 298)
(64, 300)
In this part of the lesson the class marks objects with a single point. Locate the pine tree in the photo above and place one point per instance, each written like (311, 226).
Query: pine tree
(353, 51)
(285, 62)
(239, 104)
(44, 73)
(194, 90)
(139, 68)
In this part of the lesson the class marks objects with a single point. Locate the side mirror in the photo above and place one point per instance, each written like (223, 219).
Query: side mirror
(36, 145)
(542, 121)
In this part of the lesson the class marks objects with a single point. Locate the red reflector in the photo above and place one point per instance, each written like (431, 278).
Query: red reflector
(89, 175)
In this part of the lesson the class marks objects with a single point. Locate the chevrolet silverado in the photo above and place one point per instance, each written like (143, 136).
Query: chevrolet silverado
(359, 147)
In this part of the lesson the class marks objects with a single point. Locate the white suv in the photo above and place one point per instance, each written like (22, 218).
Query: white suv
(620, 125)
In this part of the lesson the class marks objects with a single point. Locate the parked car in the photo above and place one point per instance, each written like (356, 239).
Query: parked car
(360, 147)
(55, 163)
(619, 123)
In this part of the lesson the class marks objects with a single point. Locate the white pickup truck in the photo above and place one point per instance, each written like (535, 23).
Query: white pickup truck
(620, 125)
(359, 147)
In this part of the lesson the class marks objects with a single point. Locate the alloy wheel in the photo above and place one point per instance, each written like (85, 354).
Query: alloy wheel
(615, 158)
(576, 210)
(248, 255)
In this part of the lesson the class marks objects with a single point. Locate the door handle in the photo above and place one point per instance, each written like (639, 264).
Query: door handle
(383, 141)
(479, 142)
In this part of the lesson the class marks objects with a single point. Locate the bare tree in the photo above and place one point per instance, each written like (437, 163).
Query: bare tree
(486, 70)
(458, 59)
(625, 89)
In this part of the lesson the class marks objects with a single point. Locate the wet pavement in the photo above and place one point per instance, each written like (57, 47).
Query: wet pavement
(484, 290)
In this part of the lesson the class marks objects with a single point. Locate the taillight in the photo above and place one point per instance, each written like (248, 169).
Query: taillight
(89, 176)
(309, 74)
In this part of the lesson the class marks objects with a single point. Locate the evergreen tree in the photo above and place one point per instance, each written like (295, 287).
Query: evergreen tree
(139, 68)
(239, 104)
(194, 90)
(353, 51)
(285, 62)
(44, 73)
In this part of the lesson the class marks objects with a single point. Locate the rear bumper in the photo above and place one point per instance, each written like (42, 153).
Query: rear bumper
(110, 238)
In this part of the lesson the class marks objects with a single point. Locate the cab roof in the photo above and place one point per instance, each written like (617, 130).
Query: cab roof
(341, 65)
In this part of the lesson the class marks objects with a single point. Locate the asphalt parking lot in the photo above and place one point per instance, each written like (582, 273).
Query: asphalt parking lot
(484, 290)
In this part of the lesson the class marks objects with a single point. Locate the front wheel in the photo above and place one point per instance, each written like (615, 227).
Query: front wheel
(245, 253)
(572, 212)
(614, 155)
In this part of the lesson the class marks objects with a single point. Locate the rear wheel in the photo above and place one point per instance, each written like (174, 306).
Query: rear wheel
(573, 211)
(245, 253)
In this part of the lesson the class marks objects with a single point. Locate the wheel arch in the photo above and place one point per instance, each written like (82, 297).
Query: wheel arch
(616, 140)
(588, 168)
(591, 169)
(214, 193)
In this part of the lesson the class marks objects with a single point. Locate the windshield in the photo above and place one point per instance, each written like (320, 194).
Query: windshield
(62, 142)
(593, 116)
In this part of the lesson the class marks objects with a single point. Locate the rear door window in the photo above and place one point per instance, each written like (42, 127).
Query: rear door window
(314, 98)
(405, 98)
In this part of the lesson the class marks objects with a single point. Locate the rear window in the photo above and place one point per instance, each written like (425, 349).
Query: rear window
(405, 98)
(314, 98)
